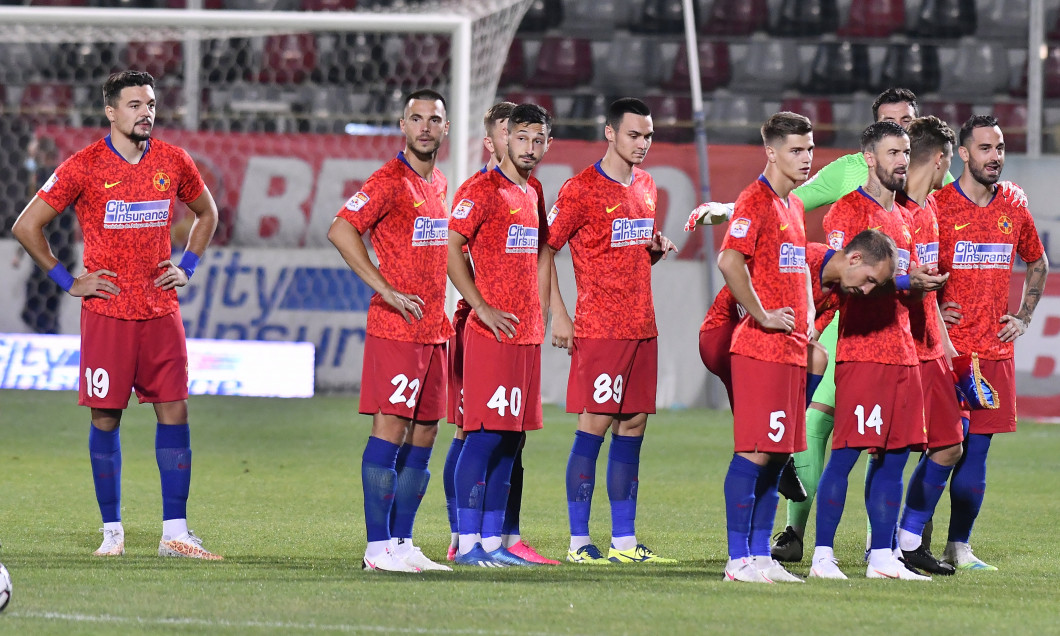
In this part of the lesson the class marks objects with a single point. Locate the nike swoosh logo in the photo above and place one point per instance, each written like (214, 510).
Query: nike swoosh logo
(878, 227)
(416, 205)
(515, 211)
(960, 227)
(110, 185)
(917, 231)
(612, 208)
(783, 227)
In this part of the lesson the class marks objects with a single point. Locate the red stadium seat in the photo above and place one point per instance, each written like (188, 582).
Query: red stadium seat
(912, 65)
(514, 65)
(819, 112)
(874, 19)
(671, 115)
(158, 57)
(953, 113)
(1012, 118)
(806, 17)
(47, 104)
(715, 67)
(946, 18)
(544, 100)
(736, 17)
(562, 63)
(288, 58)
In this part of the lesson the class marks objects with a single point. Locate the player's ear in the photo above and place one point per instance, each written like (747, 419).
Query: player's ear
(771, 154)
(854, 259)
(963, 152)
(487, 143)
(609, 133)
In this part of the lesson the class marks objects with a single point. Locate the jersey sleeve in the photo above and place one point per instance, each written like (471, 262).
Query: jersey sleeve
(828, 185)
(563, 220)
(191, 186)
(1030, 246)
(745, 226)
(366, 208)
(839, 226)
(469, 210)
(64, 186)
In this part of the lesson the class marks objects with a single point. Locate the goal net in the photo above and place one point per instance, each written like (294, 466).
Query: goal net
(286, 112)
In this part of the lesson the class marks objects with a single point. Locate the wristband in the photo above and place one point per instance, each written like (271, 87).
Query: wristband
(61, 276)
(188, 262)
(902, 282)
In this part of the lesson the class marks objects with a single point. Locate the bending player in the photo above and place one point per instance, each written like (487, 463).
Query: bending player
(978, 232)
(497, 217)
(607, 214)
(123, 188)
(404, 376)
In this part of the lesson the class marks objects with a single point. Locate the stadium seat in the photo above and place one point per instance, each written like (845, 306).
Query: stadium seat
(514, 65)
(47, 104)
(329, 5)
(288, 58)
(874, 19)
(662, 16)
(819, 112)
(1012, 118)
(424, 63)
(734, 119)
(715, 69)
(160, 58)
(953, 113)
(946, 19)
(912, 65)
(838, 67)
(562, 63)
(770, 64)
(1050, 76)
(25, 59)
(544, 100)
(355, 59)
(542, 15)
(597, 19)
(226, 60)
(805, 18)
(640, 61)
(671, 115)
(980, 68)
(1006, 19)
(84, 62)
(584, 119)
(735, 17)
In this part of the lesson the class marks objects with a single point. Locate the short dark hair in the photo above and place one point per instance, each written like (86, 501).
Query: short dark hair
(497, 112)
(618, 109)
(895, 96)
(427, 94)
(928, 135)
(530, 114)
(114, 85)
(976, 121)
(874, 246)
(875, 132)
(782, 124)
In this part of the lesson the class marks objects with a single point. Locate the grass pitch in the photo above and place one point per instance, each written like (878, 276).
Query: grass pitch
(276, 490)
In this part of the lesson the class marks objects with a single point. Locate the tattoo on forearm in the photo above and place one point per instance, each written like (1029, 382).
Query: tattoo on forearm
(1036, 275)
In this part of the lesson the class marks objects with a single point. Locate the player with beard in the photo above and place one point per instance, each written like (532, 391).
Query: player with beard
(978, 233)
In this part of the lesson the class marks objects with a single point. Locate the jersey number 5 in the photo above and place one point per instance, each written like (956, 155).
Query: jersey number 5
(776, 425)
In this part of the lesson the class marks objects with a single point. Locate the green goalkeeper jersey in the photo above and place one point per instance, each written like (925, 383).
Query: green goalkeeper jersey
(838, 179)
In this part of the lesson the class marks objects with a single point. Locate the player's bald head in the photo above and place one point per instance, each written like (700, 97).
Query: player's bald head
(117, 82)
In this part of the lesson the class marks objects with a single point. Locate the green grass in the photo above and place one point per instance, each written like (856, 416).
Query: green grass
(276, 490)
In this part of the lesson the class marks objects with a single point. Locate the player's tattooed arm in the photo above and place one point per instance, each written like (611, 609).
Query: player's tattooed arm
(1033, 286)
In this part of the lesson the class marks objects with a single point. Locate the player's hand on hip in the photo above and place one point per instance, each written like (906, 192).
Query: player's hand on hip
(408, 305)
(779, 320)
(172, 276)
(94, 285)
(1012, 194)
(950, 315)
(563, 332)
(1013, 328)
(927, 278)
(499, 322)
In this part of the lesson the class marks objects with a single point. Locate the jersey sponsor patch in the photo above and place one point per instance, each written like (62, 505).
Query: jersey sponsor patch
(552, 214)
(927, 253)
(463, 208)
(792, 258)
(835, 239)
(428, 231)
(738, 228)
(122, 215)
(969, 255)
(47, 187)
(356, 202)
(521, 239)
(631, 232)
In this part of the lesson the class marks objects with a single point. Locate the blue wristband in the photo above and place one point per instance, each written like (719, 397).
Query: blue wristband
(189, 262)
(902, 282)
(61, 276)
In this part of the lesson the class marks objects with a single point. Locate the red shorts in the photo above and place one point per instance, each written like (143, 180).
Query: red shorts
(406, 379)
(502, 385)
(878, 407)
(769, 411)
(118, 356)
(714, 351)
(942, 411)
(1001, 374)
(613, 376)
(455, 408)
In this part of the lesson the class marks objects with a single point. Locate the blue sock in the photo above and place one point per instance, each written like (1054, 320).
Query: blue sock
(832, 493)
(515, 494)
(104, 451)
(812, 382)
(399, 463)
(411, 485)
(925, 489)
(581, 480)
(449, 480)
(378, 480)
(471, 472)
(498, 484)
(623, 469)
(968, 487)
(740, 482)
(173, 454)
(765, 509)
(885, 497)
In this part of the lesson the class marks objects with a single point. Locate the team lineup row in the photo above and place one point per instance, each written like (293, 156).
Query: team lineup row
(896, 254)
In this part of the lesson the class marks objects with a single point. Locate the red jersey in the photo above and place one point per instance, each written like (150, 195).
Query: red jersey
(125, 211)
(873, 328)
(409, 226)
(923, 316)
(825, 299)
(500, 221)
(723, 310)
(772, 237)
(609, 227)
(975, 247)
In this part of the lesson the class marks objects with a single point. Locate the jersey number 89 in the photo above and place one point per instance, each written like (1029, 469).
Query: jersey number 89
(606, 389)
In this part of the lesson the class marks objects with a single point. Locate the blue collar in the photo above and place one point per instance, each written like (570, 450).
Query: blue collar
(110, 144)
(957, 185)
(632, 178)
